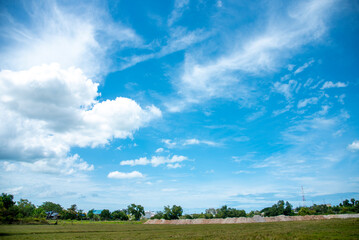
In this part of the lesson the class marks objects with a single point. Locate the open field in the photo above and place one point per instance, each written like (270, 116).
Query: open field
(322, 229)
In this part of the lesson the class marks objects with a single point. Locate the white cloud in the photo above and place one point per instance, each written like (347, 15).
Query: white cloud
(257, 114)
(291, 67)
(177, 12)
(221, 77)
(140, 161)
(194, 141)
(179, 39)
(159, 150)
(219, 3)
(330, 84)
(324, 110)
(155, 161)
(301, 69)
(281, 111)
(354, 146)
(304, 102)
(285, 88)
(341, 98)
(46, 110)
(122, 175)
(169, 143)
(81, 36)
(176, 165)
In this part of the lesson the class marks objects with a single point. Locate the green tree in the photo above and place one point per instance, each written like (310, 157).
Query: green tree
(105, 214)
(8, 209)
(25, 207)
(39, 213)
(158, 215)
(120, 215)
(7, 200)
(136, 210)
(50, 206)
(288, 210)
(172, 213)
(304, 211)
(90, 214)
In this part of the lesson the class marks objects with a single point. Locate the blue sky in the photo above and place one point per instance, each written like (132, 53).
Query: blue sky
(194, 103)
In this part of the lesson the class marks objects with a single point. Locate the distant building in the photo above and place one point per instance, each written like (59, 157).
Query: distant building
(149, 214)
(52, 215)
(97, 212)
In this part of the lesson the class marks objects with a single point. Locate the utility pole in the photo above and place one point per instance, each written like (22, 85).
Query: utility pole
(303, 198)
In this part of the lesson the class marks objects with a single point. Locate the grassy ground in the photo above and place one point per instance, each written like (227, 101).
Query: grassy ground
(324, 229)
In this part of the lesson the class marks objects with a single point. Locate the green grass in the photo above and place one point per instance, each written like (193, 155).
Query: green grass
(324, 229)
(71, 222)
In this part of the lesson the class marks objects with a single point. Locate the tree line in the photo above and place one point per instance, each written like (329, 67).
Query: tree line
(23, 210)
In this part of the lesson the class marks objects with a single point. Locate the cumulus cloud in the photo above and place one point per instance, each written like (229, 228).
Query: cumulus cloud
(176, 165)
(123, 175)
(304, 102)
(155, 161)
(330, 84)
(46, 110)
(354, 146)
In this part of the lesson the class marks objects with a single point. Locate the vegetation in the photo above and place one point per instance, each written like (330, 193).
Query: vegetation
(325, 229)
(137, 211)
(26, 212)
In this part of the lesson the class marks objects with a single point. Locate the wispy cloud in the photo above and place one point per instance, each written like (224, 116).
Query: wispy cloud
(330, 84)
(177, 12)
(221, 78)
(285, 89)
(71, 37)
(302, 68)
(179, 39)
(194, 141)
(159, 150)
(304, 102)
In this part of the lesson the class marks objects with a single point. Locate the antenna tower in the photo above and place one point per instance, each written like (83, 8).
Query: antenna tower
(303, 198)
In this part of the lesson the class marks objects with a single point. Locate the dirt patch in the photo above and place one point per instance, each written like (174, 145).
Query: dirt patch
(255, 219)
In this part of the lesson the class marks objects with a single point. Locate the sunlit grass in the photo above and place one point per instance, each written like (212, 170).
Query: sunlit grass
(323, 229)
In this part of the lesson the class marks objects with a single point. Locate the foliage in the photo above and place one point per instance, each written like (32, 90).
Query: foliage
(7, 200)
(90, 214)
(278, 209)
(105, 214)
(50, 206)
(119, 215)
(24, 211)
(225, 212)
(39, 213)
(8, 209)
(26, 208)
(172, 213)
(137, 211)
(158, 215)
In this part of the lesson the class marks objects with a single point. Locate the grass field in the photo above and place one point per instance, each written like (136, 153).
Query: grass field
(324, 229)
